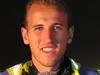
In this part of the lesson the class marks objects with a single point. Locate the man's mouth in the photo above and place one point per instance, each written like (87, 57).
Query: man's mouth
(48, 49)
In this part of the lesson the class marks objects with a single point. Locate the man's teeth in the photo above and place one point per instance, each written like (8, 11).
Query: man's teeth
(47, 49)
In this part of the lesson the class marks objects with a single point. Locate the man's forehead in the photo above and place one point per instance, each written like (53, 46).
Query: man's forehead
(43, 9)
(43, 12)
(46, 13)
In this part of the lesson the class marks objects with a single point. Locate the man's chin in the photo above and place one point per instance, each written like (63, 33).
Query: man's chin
(51, 63)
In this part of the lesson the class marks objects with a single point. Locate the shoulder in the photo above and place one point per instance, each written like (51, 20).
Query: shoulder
(17, 69)
(80, 70)
(87, 71)
(12, 70)
(4, 73)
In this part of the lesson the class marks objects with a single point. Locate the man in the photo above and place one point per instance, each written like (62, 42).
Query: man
(47, 31)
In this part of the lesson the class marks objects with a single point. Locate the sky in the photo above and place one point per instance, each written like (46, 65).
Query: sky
(84, 49)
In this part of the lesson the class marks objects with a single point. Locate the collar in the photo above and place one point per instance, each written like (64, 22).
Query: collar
(65, 67)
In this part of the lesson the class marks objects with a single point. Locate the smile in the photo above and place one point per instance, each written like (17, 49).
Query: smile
(48, 49)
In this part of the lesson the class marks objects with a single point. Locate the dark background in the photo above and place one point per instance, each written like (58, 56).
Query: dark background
(86, 43)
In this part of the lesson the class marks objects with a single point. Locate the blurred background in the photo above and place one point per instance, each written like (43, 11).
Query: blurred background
(85, 47)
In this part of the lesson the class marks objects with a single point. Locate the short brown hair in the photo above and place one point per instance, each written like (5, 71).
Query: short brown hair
(60, 4)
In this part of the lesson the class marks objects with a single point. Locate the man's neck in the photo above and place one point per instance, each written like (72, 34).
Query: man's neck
(46, 69)
(42, 68)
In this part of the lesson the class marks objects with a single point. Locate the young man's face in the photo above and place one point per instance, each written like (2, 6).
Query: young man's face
(46, 33)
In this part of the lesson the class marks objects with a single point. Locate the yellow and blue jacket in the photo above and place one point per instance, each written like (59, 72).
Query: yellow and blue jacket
(24, 69)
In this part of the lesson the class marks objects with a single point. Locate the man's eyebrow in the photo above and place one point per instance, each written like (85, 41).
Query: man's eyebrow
(58, 24)
(38, 25)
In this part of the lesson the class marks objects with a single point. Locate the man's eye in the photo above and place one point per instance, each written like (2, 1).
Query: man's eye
(58, 28)
(38, 28)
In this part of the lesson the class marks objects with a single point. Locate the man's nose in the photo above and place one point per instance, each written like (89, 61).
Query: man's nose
(48, 36)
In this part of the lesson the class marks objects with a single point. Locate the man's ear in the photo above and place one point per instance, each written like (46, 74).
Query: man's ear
(71, 33)
(24, 35)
